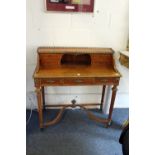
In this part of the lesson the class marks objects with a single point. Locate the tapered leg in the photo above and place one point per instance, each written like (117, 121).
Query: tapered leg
(40, 106)
(43, 97)
(102, 98)
(114, 90)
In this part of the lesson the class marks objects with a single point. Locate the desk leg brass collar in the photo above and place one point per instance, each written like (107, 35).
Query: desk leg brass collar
(38, 90)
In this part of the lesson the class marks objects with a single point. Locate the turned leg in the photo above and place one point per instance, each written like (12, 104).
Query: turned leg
(102, 98)
(114, 90)
(43, 97)
(40, 106)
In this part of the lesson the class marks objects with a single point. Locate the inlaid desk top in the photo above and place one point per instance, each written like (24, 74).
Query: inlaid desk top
(76, 72)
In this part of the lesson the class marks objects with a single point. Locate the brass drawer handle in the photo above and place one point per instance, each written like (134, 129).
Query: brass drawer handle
(104, 80)
(78, 81)
(50, 81)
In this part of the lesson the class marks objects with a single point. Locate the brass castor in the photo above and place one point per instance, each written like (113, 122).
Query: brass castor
(108, 124)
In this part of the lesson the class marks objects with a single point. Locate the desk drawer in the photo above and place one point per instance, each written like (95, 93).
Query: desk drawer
(106, 80)
(79, 81)
(52, 82)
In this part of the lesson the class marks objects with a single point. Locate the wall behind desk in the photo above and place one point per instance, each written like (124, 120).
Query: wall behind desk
(106, 27)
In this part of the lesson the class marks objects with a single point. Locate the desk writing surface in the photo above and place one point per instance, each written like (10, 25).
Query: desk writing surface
(76, 71)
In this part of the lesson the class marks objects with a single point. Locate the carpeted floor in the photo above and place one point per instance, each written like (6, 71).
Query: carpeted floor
(75, 134)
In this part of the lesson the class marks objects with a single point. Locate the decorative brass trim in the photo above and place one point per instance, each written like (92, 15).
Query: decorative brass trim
(114, 88)
(38, 90)
(74, 50)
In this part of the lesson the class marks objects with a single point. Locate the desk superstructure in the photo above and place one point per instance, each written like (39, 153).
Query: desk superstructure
(63, 66)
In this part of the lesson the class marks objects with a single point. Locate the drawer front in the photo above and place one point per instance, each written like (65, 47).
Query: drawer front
(106, 80)
(79, 81)
(47, 82)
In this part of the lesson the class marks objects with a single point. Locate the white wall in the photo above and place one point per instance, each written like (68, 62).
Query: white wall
(106, 27)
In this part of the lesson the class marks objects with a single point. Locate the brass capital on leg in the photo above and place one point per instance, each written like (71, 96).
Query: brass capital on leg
(114, 88)
(38, 89)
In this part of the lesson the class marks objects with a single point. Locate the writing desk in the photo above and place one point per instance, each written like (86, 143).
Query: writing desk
(60, 66)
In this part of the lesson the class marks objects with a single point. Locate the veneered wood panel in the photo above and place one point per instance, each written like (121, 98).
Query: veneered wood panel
(48, 60)
(102, 59)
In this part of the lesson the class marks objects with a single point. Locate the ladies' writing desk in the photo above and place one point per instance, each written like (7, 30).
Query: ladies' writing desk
(59, 66)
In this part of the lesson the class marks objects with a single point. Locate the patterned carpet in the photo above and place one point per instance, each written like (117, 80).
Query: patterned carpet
(75, 134)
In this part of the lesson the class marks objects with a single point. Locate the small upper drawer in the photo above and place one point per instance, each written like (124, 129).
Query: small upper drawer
(106, 80)
(79, 81)
(52, 81)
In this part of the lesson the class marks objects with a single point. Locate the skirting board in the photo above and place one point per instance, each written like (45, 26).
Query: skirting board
(122, 100)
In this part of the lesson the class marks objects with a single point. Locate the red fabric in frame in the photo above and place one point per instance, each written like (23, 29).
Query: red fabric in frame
(50, 6)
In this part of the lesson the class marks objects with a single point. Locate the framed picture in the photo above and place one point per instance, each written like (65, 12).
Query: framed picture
(70, 5)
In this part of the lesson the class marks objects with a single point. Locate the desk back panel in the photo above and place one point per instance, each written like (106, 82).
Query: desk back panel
(56, 60)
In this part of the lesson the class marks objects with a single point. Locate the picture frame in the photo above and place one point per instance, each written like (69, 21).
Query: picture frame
(70, 5)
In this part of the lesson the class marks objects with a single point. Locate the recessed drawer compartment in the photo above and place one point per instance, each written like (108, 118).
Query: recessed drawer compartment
(51, 81)
(106, 80)
(79, 81)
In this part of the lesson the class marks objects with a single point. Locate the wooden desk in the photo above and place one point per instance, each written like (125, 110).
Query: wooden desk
(57, 66)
